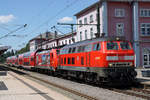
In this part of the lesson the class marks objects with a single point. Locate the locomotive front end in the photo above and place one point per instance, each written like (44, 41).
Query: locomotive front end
(119, 61)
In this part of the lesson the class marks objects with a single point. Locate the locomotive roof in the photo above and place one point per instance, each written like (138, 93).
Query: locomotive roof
(47, 51)
(89, 41)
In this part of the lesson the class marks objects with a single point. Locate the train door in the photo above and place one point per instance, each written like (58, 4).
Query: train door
(95, 55)
(51, 59)
(88, 49)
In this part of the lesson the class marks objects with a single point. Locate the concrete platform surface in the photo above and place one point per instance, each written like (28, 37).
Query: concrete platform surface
(17, 87)
(142, 79)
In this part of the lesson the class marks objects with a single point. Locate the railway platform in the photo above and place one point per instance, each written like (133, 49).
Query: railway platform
(18, 87)
(143, 76)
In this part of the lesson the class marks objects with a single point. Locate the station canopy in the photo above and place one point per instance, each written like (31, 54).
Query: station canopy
(3, 49)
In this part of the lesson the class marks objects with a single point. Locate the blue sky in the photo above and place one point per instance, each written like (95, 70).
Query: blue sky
(39, 15)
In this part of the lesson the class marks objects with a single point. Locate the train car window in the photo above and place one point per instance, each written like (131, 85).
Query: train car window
(82, 48)
(96, 47)
(73, 50)
(69, 61)
(69, 50)
(79, 49)
(37, 58)
(88, 48)
(32, 59)
(125, 45)
(66, 51)
(82, 60)
(43, 59)
(61, 51)
(73, 60)
(58, 51)
(61, 60)
(112, 46)
(64, 60)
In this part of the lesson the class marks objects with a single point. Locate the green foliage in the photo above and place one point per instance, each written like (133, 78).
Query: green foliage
(5, 55)
(23, 50)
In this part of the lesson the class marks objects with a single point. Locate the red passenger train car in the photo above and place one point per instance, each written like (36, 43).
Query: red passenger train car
(47, 59)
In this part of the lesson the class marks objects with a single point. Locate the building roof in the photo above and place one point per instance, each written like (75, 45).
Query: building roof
(86, 9)
(59, 37)
(94, 5)
(37, 39)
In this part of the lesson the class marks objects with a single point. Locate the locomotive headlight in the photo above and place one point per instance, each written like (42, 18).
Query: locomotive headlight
(128, 57)
(112, 58)
(110, 65)
(131, 64)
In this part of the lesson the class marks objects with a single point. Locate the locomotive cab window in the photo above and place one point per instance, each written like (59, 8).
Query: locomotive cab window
(96, 47)
(73, 50)
(112, 46)
(69, 50)
(125, 45)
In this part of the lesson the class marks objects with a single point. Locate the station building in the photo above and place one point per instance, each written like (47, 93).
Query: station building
(126, 18)
(51, 40)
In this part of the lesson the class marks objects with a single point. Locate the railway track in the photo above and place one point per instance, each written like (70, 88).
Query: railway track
(137, 92)
(52, 84)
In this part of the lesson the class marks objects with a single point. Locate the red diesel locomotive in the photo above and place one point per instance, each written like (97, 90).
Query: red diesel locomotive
(98, 60)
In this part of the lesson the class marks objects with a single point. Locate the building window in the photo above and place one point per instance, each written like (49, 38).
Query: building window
(80, 36)
(91, 32)
(85, 34)
(145, 12)
(91, 18)
(69, 41)
(65, 41)
(120, 29)
(46, 46)
(80, 22)
(62, 43)
(85, 20)
(119, 12)
(146, 57)
(145, 29)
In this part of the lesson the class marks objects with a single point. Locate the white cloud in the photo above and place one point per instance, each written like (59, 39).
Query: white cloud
(7, 18)
(65, 20)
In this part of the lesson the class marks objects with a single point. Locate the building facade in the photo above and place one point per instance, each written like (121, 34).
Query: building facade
(35, 43)
(59, 41)
(126, 18)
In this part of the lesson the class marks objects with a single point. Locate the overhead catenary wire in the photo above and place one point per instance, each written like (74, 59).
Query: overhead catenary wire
(13, 31)
(57, 14)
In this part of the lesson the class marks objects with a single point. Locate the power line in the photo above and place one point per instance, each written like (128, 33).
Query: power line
(58, 13)
(13, 31)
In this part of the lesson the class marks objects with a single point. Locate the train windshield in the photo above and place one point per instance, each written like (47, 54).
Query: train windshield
(125, 45)
(112, 46)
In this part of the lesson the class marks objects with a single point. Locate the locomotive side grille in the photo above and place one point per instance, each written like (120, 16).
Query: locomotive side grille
(119, 64)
